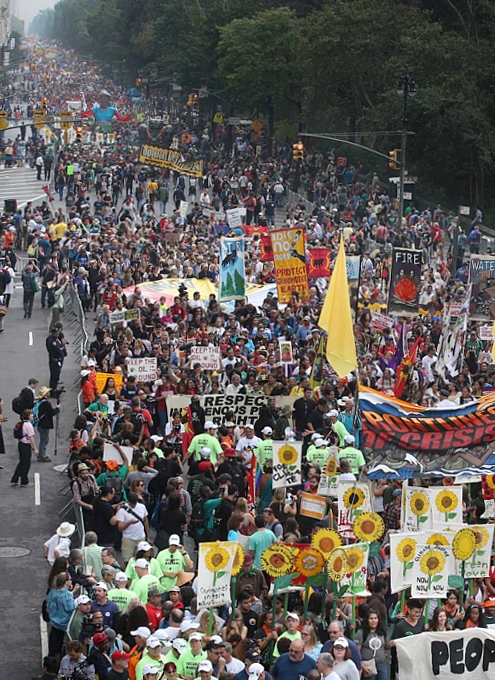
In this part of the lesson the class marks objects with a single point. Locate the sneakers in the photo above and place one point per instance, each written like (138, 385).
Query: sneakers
(14, 483)
(44, 460)
(23, 486)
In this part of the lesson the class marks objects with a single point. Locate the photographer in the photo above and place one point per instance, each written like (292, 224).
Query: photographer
(75, 665)
(46, 412)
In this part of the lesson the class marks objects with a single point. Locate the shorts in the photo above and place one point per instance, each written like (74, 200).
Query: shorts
(129, 546)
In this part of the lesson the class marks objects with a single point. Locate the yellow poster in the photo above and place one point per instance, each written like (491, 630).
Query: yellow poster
(101, 379)
(289, 255)
(171, 159)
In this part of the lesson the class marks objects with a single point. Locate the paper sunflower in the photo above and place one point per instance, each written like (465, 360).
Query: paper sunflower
(464, 544)
(353, 498)
(432, 562)
(326, 540)
(288, 454)
(337, 565)
(238, 560)
(446, 501)
(490, 481)
(419, 504)
(481, 535)
(368, 526)
(277, 560)
(354, 558)
(406, 550)
(216, 559)
(331, 466)
(437, 539)
(309, 562)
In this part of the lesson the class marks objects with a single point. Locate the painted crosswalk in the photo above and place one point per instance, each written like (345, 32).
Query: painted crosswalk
(20, 184)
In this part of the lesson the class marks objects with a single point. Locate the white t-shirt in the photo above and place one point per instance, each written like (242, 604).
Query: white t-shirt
(135, 531)
(235, 666)
(61, 545)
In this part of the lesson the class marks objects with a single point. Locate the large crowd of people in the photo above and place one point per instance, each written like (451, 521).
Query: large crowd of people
(124, 604)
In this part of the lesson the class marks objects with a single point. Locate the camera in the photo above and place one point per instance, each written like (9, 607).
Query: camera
(89, 628)
(56, 394)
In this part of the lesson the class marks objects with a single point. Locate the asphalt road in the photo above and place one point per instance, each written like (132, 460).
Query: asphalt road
(26, 524)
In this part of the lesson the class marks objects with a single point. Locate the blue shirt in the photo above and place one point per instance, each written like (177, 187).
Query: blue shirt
(60, 604)
(290, 670)
(109, 609)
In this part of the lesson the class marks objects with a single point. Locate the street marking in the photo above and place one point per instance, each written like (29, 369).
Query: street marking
(44, 638)
(37, 489)
(30, 338)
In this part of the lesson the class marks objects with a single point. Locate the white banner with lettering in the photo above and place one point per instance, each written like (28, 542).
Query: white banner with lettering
(246, 407)
(215, 561)
(207, 357)
(143, 369)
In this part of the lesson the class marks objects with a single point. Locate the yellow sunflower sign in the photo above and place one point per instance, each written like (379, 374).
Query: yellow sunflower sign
(286, 464)
(356, 568)
(403, 548)
(277, 560)
(309, 562)
(368, 526)
(353, 498)
(431, 569)
(329, 480)
(326, 541)
(215, 563)
(478, 566)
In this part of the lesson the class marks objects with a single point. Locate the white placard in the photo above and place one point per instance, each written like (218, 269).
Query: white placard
(111, 452)
(234, 218)
(207, 357)
(215, 562)
(286, 464)
(486, 333)
(143, 369)
(118, 316)
(184, 205)
(381, 322)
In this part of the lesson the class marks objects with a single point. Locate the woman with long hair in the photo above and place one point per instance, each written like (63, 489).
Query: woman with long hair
(60, 605)
(59, 566)
(371, 639)
(440, 622)
(111, 390)
(311, 645)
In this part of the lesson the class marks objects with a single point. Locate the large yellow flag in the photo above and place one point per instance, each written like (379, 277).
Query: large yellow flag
(336, 320)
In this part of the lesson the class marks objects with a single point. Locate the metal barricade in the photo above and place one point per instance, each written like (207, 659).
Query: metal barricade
(22, 261)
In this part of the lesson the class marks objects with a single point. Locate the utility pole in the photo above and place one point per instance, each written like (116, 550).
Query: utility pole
(405, 87)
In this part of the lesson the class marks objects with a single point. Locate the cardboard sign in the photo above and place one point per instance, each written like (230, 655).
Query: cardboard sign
(207, 357)
(313, 506)
(118, 316)
(381, 322)
(143, 369)
(110, 452)
(101, 380)
(286, 464)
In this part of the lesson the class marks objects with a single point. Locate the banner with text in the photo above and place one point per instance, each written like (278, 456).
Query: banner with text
(215, 561)
(170, 159)
(289, 255)
(405, 281)
(482, 280)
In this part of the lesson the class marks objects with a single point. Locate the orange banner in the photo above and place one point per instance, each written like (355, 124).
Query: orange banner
(289, 255)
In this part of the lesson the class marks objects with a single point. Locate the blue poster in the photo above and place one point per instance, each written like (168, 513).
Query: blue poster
(232, 275)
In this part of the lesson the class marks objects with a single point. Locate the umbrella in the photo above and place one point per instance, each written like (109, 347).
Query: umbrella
(133, 92)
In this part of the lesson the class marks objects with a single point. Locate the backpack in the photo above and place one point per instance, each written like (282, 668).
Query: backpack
(116, 483)
(155, 518)
(17, 403)
(50, 297)
(35, 411)
(197, 515)
(235, 471)
(18, 430)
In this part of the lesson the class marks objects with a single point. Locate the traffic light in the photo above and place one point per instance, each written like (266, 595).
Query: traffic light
(394, 157)
(298, 152)
(139, 82)
(78, 135)
(190, 99)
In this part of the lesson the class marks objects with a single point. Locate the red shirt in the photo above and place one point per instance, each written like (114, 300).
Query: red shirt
(154, 616)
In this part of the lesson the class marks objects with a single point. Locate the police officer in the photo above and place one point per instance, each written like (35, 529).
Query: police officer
(56, 355)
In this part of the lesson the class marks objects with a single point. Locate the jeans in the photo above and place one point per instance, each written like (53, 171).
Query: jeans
(382, 673)
(44, 436)
(23, 465)
(162, 415)
(44, 291)
(28, 302)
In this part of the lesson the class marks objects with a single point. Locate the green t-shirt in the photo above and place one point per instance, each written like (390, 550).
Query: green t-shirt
(355, 458)
(94, 408)
(258, 542)
(317, 455)
(168, 561)
(121, 597)
(264, 451)
(145, 660)
(188, 664)
(130, 572)
(289, 636)
(200, 441)
(143, 585)
(340, 430)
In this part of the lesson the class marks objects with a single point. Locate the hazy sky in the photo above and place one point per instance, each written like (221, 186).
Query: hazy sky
(29, 8)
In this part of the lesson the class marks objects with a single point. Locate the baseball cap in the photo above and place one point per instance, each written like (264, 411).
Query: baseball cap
(174, 589)
(83, 599)
(205, 666)
(141, 563)
(101, 584)
(151, 668)
(253, 656)
(119, 655)
(209, 425)
(99, 637)
(319, 442)
(205, 452)
(174, 540)
(112, 464)
(249, 426)
(152, 642)
(489, 603)
(188, 625)
(144, 546)
(349, 439)
(195, 636)
(267, 430)
(215, 643)
(179, 645)
(229, 452)
(293, 615)
(333, 413)
(142, 631)
(156, 438)
(255, 670)
(341, 641)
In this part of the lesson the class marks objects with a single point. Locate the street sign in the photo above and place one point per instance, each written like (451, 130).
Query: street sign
(256, 125)
(3, 124)
(464, 210)
(4, 114)
(234, 121)
(38, 123)
(65, 114)
(218, 118)
(39, 113)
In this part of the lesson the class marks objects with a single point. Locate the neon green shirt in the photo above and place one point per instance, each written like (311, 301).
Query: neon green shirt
(264, 451)
(143, 585)
(121, 597)
(289, 636)
(200, 441)
(340, 430)
(170, 562)
(355, 458)
(317, 455)
(188, 664)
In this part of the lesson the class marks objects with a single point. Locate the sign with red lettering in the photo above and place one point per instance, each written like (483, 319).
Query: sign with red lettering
(143, 369)
(289, 255)
(319, 262)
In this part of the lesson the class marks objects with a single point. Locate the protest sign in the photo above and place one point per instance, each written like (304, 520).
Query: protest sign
(381, 322)
(245, 406)
(132, 314)
(468, 653)
(353, 498)
(486, 332)
(289, 255)
(432, 565)
(118, 316)
(215, 561)
(482, 284)
(329, 480)
(184, 205)
(285, 347)
(403, 549)
(319, 262)
(286, 464)
(426, 508)
(110, 452)
(405, 281)
(266, 252)
(357, 569)
(234, 218)
(478, 565)
(101, 381)
(232, 283)
(313, 506)
(170, 159)
(143, 369)
(207, 357)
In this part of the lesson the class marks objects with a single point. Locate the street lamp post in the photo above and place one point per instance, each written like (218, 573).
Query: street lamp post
(406, 87)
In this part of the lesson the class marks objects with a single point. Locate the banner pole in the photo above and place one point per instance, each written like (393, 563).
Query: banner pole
(427, 610)
(210, 622)
(306, 602)
(286, 605)
(334, 600)
(353, 617)
(403, 601)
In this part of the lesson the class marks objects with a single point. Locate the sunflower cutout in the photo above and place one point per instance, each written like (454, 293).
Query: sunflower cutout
(216, 559)
(437, 539)
(431, 564)
(355, 559)
(337, 565)
(331, 467)
(464, 544)
(490, 481)
(288, 455)
(353, 498)
(481, 535)
(419, 505)
(446, 502)
(368, 527)
(326, 540)
(238, 560)
(309, 562)
(277, 560)
(406, 551)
